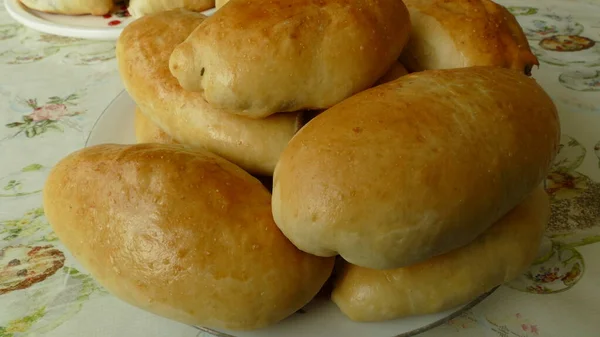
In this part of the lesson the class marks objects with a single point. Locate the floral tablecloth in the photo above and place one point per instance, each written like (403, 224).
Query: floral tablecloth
(53, 89)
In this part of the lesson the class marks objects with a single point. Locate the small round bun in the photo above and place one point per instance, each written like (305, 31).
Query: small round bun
(447, 281)
(148, 132)
(415, 167)
(181, 233)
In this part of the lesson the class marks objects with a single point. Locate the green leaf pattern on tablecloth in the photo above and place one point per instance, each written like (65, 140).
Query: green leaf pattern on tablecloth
(34, 47)
(568, 47)
(23, 324)
(10, 31)
(23, 182)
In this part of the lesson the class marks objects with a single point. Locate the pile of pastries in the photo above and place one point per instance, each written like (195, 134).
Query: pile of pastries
(401, 141)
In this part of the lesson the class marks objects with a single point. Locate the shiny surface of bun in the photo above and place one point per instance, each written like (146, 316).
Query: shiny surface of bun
(416, 167)
(259, 57)
(444, 282)
(183, 234)
(70, 7)
(143, 51)
(463, 33)
(139, 8)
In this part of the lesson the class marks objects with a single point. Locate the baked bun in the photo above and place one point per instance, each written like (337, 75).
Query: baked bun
(416, 167)
(447, 281)
(396, 71)
(148, 132)
(465, 33)
(259, 57)
(220, 3)
(181, 233)
(143, 51)
(139, 8)
(70, 7)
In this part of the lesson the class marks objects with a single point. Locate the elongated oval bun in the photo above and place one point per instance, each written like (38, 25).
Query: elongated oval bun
(447, 281)
(416, 167)
(148, 132)
(259, 57)
(71, 7)
(183, 234)
(143, 51)
(464, 33)
(139, 8)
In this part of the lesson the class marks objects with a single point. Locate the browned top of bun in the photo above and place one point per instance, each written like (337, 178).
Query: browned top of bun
(181, 233)
(464, 33)
(415, 167)
(259, 57)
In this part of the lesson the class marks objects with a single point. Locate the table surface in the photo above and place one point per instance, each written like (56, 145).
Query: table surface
(53, 89)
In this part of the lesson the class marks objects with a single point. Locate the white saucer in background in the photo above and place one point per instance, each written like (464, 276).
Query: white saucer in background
(107, 27)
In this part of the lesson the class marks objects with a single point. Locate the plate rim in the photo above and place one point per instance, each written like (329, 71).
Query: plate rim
(24, 16)
(459, 310)
(112, 101)
(412, 333)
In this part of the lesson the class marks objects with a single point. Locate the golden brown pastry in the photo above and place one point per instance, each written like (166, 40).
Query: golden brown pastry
(139, 8)
(447, 281)
(143, 51)
(148, 132)
(70, 7)
(220, 3)
(259, 57)
(181, 233)
(396, 71)
(416, 167)
(462, 33)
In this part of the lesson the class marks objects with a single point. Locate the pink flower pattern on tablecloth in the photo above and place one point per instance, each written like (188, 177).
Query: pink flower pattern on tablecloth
(49, 116)
(51, 112)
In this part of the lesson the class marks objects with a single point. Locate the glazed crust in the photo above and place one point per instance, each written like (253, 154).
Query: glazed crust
(497, 256)
(143, 51)
(416, 167)
(180, 233)
(260, 57)
(462, 33)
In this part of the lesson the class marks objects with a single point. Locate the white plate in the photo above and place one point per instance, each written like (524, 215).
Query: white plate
(322, 318)
(107, 27)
